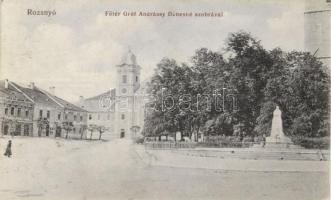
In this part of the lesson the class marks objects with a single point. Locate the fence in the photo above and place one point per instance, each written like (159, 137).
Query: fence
(169, 145)
(239, 150)
(175, 145)
(237, 142)
(227, 144)
(215, 144)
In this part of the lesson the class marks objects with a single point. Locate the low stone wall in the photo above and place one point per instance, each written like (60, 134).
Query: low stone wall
(169, 145)
(254, 153)
(257, 154)
(235, 159)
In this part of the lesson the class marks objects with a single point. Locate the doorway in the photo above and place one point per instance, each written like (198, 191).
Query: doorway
(5, 131)
(26, 130)
(58, 131)
(17, 130)
(47, 130)
(122, 133)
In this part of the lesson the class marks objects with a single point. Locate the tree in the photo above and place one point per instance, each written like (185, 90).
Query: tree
(83, 129)
(67, 126)
(249, 74)
(167, 80)
(101, 130)
(309, 88)
(91, 128)
(257, 78)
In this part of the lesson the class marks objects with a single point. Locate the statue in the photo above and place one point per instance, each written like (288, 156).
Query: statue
(277, 135)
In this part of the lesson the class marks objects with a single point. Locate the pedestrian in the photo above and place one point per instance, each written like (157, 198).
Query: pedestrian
(241, 137)
(263, 140)
(8, 149)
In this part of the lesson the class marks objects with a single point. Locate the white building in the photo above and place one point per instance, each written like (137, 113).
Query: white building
(120, 110)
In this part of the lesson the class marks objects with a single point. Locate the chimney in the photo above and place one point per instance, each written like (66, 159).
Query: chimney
(31, 85)
(111, 92)
(6, 83)
(81, 101)
(52, 90)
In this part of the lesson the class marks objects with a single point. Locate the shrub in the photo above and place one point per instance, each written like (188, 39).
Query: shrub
(139, 140)
(226, 142)
(313, 142)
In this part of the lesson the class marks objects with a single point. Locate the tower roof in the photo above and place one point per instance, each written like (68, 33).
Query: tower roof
(128, 58)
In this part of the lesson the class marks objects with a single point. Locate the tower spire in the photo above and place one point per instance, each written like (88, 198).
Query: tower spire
(128, 58)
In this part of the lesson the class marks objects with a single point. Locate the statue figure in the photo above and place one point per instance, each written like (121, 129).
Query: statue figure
(277, 135)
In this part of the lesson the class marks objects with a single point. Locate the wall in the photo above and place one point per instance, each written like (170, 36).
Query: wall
(317, 23)
(13, 120)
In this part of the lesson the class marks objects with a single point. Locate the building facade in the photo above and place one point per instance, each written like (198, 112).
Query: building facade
(16, 111)
(317, 29)
(100, 111)
(127, 84)
(122, 108)
(39, 113)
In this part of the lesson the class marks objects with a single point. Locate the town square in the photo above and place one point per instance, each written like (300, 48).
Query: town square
(165, 100)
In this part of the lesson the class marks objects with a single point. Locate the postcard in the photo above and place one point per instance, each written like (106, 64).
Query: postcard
(157, 99)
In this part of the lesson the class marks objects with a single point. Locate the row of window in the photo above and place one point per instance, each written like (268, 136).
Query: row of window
(18, 112)
(90, 116)
(48, 115)
(41, 114)
(125, 79)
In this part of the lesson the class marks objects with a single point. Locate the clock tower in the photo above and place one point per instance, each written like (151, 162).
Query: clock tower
(128, 82)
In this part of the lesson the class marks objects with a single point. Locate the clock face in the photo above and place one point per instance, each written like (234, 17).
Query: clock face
(124, 90)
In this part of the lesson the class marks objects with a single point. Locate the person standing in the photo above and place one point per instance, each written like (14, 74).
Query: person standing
(8, 149)
(263, 140)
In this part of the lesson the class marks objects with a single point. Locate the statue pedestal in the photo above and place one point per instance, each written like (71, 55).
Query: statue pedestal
(279, 140)
(280, 143)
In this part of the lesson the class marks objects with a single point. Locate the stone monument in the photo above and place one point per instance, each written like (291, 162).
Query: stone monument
(277, 137)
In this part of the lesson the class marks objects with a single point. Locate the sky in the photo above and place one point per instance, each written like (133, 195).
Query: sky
(77, 49)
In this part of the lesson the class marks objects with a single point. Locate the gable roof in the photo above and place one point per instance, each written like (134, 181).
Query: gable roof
(65, 103)
(37, 96)
(11, 92)
(110, 93)
(40, 96)
(94, 104)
